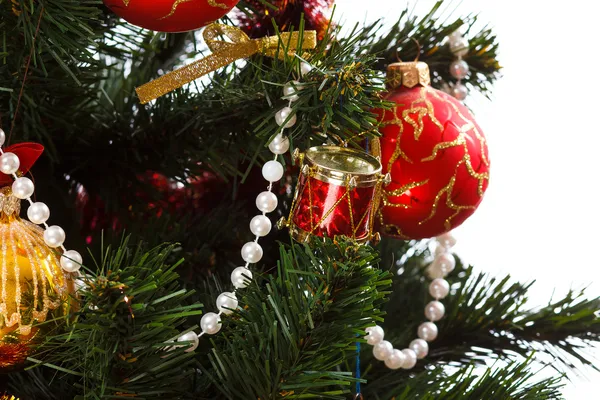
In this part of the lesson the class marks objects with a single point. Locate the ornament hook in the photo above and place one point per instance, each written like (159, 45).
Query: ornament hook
(397, 55)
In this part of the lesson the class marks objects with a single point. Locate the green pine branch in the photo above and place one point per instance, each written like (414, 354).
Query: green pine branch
(488, 317)
(117, 343)
(298, 325)
(516, 381)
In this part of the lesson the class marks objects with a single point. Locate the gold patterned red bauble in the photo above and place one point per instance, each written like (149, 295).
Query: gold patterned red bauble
(436, 155)
(33, 286)
(170, 15)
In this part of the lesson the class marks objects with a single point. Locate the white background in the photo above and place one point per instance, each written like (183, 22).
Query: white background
(540, 216)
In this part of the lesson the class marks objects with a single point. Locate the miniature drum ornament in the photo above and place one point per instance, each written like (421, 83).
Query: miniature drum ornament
(337, 193)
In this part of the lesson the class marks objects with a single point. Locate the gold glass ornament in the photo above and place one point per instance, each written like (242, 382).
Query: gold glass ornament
(32, 283)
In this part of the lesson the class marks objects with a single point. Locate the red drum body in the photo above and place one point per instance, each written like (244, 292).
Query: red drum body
(337, 194)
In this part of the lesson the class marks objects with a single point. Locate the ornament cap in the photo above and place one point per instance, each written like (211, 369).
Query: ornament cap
(407, 74)
(9, 204)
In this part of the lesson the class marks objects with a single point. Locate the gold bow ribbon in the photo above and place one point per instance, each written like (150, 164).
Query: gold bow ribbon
(223, 53)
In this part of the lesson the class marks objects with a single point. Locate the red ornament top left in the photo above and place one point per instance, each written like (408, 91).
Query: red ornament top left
(170, 15)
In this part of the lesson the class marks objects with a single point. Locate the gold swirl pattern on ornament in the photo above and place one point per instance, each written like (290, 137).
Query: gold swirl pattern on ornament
(480, 137)
(398, 152)
(421, 111)
(126, 2)
(445, 145)
(213, 3)
(174, 8)
(447, 190)
(400, 191)
(391, 229)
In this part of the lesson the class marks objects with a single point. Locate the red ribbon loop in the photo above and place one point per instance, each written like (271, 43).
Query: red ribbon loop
(28, 153)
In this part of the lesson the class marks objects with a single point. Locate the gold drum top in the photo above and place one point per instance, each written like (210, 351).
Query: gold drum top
(338, 165)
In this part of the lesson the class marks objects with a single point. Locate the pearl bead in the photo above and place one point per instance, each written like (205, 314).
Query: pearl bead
(22, 187)
(241, 277)
(227, 302)
(434, 310)
(439, 288)
(459, 69)
(9, 163)
(189, 337)
(420, 347)
(457, 34)
(427, 331)
(459, 91)
(374, 335)
(266, 202)
(54, 236)
(446, 239)
(282, 115)
(396, 360)
(210, 323)
(290, 90)
(260, 225)
(459, 46)
(383, 350)
(305, 68)
(410, 359)
(444, 262)
(38, 212)
(272, 171)
(71, 261)
(2, 137)
(279, 145)
(442, 265)
(252, 252)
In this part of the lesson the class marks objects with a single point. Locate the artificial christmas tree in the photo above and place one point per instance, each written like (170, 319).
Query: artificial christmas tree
(189, 291)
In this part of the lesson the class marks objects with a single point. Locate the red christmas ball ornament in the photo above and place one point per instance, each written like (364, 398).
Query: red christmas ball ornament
(436, 155)
(170, 15)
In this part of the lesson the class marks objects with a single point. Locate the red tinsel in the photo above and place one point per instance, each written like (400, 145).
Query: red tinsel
(198, 196)
(316, 16)
(13, 354)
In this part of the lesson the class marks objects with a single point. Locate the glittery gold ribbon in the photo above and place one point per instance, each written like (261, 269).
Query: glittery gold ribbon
(224, 53)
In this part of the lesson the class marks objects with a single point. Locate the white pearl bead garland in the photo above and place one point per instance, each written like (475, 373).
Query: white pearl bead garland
(227, 302)
(54, 236)
(282, 115)
(459, 69)
(210, 323)
(252, 252)
(9, 163)
(38, 212)
(260, 225)
(272, 171)
(439, 288)
(71, 261)
(189, 337)
(240, 277)
(22, 188)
